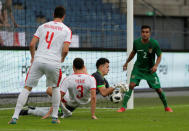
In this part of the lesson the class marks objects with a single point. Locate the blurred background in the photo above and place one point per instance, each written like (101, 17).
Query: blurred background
(100, 23)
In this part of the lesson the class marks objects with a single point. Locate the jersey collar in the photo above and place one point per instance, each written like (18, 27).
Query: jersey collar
(100, 73)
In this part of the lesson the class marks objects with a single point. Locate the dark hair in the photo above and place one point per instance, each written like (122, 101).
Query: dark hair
(101, 61)
(78, 63)
(145, 26)
(59, 12)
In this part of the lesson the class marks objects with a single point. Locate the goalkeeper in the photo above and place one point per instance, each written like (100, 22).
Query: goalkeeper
(145, 66)
(103, 86)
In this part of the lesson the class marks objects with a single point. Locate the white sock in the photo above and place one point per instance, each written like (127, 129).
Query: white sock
(64, 109)
(22, 98)
(55, 101)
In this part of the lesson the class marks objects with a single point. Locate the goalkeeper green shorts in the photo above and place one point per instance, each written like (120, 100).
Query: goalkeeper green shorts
(151, 78)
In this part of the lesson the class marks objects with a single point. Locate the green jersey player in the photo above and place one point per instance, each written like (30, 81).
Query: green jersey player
(145, 66)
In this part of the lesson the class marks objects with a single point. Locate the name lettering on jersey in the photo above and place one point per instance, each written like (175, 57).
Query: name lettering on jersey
(140, 50)
(80, 81)
(53, 27)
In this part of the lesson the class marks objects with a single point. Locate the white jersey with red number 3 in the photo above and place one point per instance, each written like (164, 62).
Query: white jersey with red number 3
(52, 36)
(78, 86)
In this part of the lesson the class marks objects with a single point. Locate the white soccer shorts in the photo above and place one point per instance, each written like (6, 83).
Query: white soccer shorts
(52, 72)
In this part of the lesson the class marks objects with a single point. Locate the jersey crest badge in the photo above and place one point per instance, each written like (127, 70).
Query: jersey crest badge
(133, 76)
(150, 50)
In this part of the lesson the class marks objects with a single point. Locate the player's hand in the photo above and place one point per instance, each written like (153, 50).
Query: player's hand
(123, 87)
(62, 60)
(16, 25)
(154, 69)
(32, 59)
(45, 116)
(125, 67)
(94, 117)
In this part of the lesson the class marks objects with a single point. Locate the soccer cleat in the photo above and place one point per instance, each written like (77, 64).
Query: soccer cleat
(23, 112)
(65, 115)
(55, 121)
(12, 121)
(122, 109)
(31, 107)
(168, 109)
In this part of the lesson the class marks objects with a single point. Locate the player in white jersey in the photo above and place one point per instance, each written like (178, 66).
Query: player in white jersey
(81, 89)
(54, 39)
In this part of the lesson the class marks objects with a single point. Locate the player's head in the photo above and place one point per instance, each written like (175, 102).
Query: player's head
(59, 12)
(78, 64)
(102, 65)
(145, 32)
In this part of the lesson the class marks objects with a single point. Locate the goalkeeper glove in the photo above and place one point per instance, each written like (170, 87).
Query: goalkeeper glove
(123, 87)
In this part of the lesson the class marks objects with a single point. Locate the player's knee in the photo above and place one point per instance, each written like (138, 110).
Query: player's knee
(49, 91)
(159, 90)
(132, 85)
(28, 88)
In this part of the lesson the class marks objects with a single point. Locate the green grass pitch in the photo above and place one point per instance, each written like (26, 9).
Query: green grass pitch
(145, 117)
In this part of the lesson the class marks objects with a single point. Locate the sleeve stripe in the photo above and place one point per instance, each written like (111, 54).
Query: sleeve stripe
(67, 42)
(36, 36)
(71, 33)
(100, 86)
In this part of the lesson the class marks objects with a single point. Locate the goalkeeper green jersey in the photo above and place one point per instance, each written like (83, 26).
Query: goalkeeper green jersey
(146, 53)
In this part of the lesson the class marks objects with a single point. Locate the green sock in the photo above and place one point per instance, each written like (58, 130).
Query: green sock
(163, 98)
(126, 98)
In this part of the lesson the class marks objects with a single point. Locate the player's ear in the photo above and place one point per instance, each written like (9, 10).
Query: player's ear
(49, 91)
(63, 17)
(74, 69)
(85, 70)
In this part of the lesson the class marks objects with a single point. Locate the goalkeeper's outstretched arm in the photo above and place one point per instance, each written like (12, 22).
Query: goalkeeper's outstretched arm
(105, 91)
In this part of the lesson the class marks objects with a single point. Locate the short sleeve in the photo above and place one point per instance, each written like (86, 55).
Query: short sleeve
(38, 32)
(107, 84)
(68, 36)
(99, 80)
(93, 83)
(134, 47)
(157, 49)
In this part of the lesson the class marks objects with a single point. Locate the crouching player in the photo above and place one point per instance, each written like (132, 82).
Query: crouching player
(81, 89)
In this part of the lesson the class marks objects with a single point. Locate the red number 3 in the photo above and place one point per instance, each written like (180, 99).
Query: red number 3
(49, 41)
(80, 91)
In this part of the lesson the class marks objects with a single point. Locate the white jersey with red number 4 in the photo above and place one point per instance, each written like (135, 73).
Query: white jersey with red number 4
(78, 86)
(52, 36)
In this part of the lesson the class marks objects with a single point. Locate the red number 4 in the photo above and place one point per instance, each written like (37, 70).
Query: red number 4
(80, 91)
(49, 41)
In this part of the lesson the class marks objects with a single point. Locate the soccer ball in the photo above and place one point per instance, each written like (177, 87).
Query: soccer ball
(116, 96)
